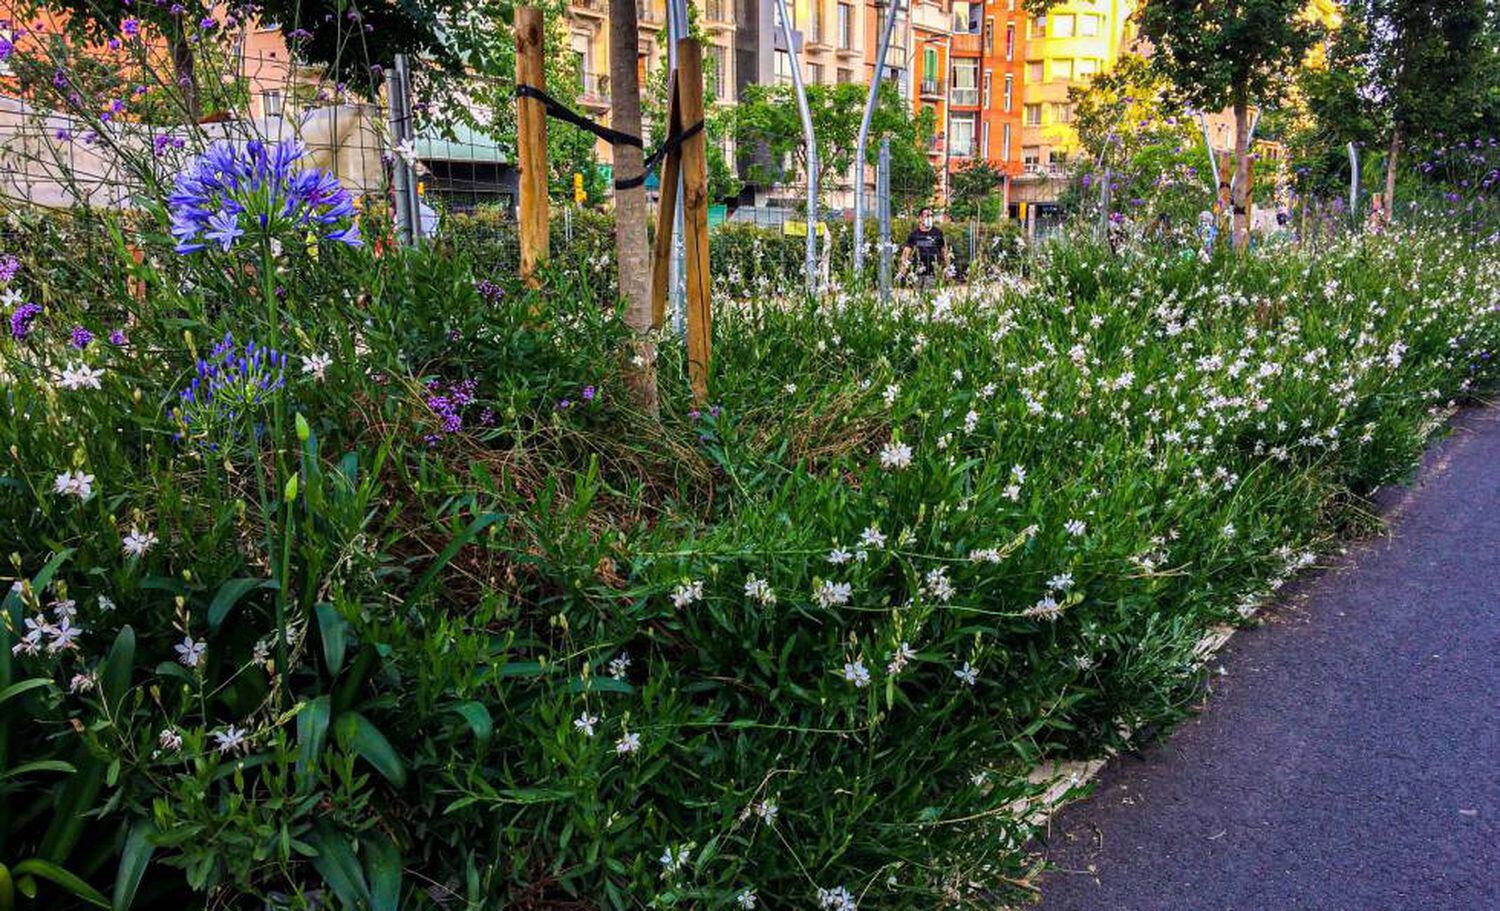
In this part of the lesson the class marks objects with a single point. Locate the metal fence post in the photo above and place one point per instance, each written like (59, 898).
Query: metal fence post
(883, 213)
(399, 112)
(677, 29)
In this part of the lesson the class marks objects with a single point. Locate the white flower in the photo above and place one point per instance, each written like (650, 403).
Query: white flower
(585, 723)
(189, 652)
(856, 673)
(872, 537)
(831, 594)
(619, 665)
(316, 365)
(838, 556)
(968, 673)
(674, 859)
(836, 899)
(80, 376)
(81, 683)
(890, 394)
(759, 590)
(971, 421)
(686, 593)
(1012, 492)
(169, 739)
(1060, 582)
(790, 388)
(1075, 527)
(899, 658)
(767, 811)
(230, 739)
(895, 454)
(1228, 530)
(1045, 609)
(138, 542)
(746, 899)
(106, 604)
(938, 585)
(74, 483)
(63, 635)
(628, 743)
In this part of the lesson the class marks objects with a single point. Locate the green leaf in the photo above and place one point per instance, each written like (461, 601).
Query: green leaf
(312, 734)
(336, 864)
(229, 594)
(133, 862)
(22, 686)
(366, 740)
(77, 799)
(478, 718)
(53, 873)
(114, 678)
(334, 630)
(383, 869)
(40, 765)
(451, 551)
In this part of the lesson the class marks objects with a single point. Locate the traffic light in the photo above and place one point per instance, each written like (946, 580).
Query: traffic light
(580, 196)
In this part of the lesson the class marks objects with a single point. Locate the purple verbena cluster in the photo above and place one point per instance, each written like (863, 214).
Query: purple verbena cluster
(230, 382)
(22, 318)
(9, 266)
(488, 290)
(448, 405)
(256, 189)
(81, 337)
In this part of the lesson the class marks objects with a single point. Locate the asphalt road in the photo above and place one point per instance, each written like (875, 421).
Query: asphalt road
(1349, 758)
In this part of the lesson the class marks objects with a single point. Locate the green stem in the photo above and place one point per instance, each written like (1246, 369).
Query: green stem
(278, 420)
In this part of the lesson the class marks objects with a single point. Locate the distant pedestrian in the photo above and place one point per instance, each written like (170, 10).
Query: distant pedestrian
(926, 241)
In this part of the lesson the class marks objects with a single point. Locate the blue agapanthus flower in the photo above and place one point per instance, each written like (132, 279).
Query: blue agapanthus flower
(232, 382)
(256, 190)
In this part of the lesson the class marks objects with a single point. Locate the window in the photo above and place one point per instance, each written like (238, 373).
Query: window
(1031, 156)
(984, 139)
(846, 26)
(961, 135)
(965, 82)
(1086, 67)
(1005, 142)
(718, 80)
(1088, 26)
(986, 100)
(929, 64)
(1033, 115)
(783, 68)
(1058, 160)
(965, 17)
(1010, 90)
(1034, 71)
(1062, 112)
(271, 103)
(1039, 27)
(989, 35)
(1010, 41)
(1062, 69)
(845, 76)
(1062, 26)
(815, 73)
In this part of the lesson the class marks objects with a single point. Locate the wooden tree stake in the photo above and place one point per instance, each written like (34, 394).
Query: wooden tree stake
(531, 142)
(695, 214)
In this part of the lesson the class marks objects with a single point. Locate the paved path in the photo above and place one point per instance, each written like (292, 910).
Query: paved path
(1350, 757)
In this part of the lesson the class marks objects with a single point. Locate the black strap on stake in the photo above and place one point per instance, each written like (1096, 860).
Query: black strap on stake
(560, 111)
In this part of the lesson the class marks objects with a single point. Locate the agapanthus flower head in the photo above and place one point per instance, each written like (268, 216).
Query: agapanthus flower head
(256, 190)
(232, 382)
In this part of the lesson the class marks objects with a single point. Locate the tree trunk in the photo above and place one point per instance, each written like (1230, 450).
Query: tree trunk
(631, 256)
(1240, 199)
(185, 69)
(1390, 171)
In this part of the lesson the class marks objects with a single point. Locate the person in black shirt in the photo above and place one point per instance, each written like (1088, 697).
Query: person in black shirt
(927, 242)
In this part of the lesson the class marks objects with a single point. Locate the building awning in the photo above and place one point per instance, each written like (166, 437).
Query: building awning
(467, 145)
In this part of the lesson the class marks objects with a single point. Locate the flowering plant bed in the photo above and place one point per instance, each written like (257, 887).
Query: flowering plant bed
(348, 576)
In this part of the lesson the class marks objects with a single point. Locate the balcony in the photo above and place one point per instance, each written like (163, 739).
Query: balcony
(966, 44)
(931, 89)
(931, 17)
(718, 15)
(963, 98)
(816, 36)
(595, 91)
(591, 9)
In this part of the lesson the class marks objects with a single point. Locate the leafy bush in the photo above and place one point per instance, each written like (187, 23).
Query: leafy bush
(418, 612)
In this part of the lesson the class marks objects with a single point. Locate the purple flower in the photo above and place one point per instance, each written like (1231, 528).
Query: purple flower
(118, 339)
(230, 382)
(22, 318)
(9, 266)
(231, 189)
(588, 393)
(131, 27)
(81, 337)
